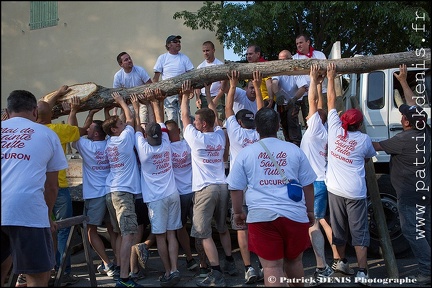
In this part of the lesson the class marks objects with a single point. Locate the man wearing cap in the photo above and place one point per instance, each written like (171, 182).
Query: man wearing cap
(241, 132)
(348, 149)
(410, 172)
(168, 65)
(158, 186)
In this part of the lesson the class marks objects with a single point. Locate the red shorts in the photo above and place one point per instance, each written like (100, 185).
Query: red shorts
(278, 239)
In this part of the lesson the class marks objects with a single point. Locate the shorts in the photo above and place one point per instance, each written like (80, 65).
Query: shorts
(38, 257)
(186, 207)
(146, 113)
(165, 214)
(320, 200)
(121, 208)
(349, 214)
(210, 202)
(95, 209)
(141, 211)
(281, 238)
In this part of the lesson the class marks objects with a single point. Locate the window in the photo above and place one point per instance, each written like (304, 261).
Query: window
(375, 90)
(43, 14)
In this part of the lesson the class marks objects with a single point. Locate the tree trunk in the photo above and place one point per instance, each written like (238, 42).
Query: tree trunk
(101, 97)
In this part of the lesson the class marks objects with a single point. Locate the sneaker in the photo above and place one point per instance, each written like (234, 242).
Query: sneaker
(111, 271)
(101, 268)
(214, 279)
(250, 276)
(230, 268)
(171, 280)
(420, 279)
(342, 267)
(68, 279)
(191, 265)
(203, 272)
(362, 278)
(324, 272)
(21, 281)
(137, 276)
(129, 283)
(260, 274)
(143, 254)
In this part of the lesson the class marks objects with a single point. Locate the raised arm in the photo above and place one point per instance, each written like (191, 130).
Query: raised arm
(402, 78)
(331, 92)
(268, 83)
(60, 92)
(256, 82)
(136, 106)
(312, 93)
(157, 104)
(186, 92)
(72, 118)
(229, 101)
(128, 115)
(212, 104)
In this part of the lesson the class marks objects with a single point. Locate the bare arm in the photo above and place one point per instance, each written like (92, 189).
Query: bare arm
(309, 199)
(377, 146)
(211, 105)
(50, 195)
(60, 92)
(312, 93)
(256, 82)
(136, 106)
(331, 92)
(185, 94)
(157, 105)
(197, 98)
(229, 101)
(72, 119)
(156, 77)
(402, 78)
(128, 115)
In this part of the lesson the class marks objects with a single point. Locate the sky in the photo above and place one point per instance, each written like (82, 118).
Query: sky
(229, 55)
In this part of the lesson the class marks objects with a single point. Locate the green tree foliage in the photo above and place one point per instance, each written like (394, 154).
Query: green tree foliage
(367, 28)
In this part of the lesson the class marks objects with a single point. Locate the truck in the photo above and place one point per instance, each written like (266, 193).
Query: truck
(378, 94)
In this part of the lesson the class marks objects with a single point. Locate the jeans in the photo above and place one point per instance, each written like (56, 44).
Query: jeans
(415, 223)
(62, 210)
(172, 110)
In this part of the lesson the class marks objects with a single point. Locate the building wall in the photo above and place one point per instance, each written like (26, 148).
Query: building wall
(84, 45)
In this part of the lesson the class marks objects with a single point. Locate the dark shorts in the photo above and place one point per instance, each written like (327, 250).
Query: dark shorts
(31, 249)
(141, 211)
(186, 206)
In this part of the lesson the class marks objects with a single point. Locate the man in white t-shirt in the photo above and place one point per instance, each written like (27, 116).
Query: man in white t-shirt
(168, 65)
(306, 51)
(240, 128)
(288, 90)
(32, 156)
(314, 145)
(158, 187)
(124, 184)
(208, 50)
(348, 149)
(131, 76)
(207, 143)
(277, 223)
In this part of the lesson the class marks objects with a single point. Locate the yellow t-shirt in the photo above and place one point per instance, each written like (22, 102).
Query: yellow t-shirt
(263, 89)
(67, 133)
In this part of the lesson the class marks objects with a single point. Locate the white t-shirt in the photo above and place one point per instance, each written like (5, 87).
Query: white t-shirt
(345, 169)
(95, 167)
(157, 176)
(29, 150)
(137, 77)
(289, 84)
(215, 86)
(315, 55)
(314, 145)
(182, 166)
(241, 101)
(124, 174)
(239, 137)
(266, 191)
(170, 65)
(207, 156)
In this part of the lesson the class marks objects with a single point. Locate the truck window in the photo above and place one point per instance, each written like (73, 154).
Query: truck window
(375, 90)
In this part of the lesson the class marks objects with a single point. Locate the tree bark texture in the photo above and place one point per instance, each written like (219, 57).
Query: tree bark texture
(102, 98)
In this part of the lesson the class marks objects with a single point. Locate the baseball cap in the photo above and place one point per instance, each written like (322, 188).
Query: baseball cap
(172, 37)
(414, 115)
(154, 134)
(247, 117)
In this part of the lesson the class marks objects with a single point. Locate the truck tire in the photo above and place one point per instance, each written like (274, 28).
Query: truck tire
(400, 245)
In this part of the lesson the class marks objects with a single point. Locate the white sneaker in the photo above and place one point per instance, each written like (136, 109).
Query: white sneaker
(362, 278)
(342, 267)
(250, 276)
